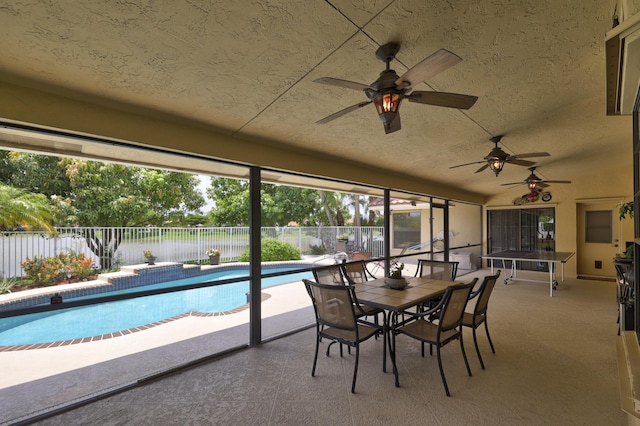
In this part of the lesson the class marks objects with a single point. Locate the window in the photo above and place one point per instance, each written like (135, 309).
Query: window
(406, 229)
(599, 226)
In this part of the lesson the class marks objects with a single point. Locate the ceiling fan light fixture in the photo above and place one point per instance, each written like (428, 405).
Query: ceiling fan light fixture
(496, 165)
(532, 186)
(387, 103)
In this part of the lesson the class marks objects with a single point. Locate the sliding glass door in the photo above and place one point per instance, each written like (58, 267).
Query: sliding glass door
(522, 230)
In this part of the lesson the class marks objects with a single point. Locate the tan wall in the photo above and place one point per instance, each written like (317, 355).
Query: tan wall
(154, 129)
(611, 184)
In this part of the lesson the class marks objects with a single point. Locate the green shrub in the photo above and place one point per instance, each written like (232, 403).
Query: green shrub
(42, 270)
(77, 265)
(51, 270)
(318, 249)
(274, 250)
(6, 284)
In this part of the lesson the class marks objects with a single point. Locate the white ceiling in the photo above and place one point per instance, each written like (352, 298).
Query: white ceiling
(246, 68)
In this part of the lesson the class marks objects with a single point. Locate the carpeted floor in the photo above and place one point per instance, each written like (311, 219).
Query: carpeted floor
(555, 364)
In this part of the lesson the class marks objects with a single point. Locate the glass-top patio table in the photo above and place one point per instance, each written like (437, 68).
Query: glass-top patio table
(378, 294)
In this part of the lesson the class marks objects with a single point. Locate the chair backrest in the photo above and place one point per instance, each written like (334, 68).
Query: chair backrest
(437, 269)
(624, 288)
(333, 304)
(355, 272)
(454, 302)
(488, 283)
(331, 274)
(361, 255)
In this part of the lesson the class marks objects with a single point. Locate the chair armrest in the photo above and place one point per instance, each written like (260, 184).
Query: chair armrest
(474, 294)
(415, 316)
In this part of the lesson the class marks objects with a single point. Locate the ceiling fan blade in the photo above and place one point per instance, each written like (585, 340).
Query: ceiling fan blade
(513, 183)
(394, 126)
(541, 184)
(466, 164)
(532, 154)
(341, 83)
(556, 181)
(443, 99)
(482, 168)
(342, 112)
(517, 162)
(427, 68)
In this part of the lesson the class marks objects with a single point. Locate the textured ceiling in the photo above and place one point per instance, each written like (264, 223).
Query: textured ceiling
(247, 68)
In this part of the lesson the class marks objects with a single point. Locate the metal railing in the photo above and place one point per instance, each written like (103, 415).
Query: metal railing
(112, 247)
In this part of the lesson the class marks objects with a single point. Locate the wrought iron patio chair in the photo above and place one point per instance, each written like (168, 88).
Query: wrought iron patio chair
(331, 274)
(437, 269)
(625, 295)
(442, 329)
(356, 273)
(474, 319)
(334, 275)
(336, 320)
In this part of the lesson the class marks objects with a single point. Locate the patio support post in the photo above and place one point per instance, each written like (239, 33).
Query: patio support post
(446, 230)
(387, 232)
(255, 258)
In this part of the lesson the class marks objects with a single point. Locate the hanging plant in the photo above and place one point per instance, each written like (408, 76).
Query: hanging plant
(626, 209)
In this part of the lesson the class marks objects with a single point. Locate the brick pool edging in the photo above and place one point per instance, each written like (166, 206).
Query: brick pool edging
(263, 297)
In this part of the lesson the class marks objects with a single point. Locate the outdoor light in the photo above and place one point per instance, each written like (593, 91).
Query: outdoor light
(496, 164)
(387, 103)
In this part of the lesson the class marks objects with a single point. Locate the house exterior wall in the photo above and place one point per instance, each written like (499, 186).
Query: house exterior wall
(615, 183)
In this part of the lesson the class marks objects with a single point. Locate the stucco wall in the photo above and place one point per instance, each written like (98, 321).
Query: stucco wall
(615, 183)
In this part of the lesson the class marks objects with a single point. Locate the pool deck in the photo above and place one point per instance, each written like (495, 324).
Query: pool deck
(41, 380)
(69, 355)
(28, 365)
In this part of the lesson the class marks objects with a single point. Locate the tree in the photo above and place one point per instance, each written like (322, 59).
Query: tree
(333, 203)
(280, 204)
(42, 174)
(114, 195)
(21, 208)
(117, 195)
(231, 198)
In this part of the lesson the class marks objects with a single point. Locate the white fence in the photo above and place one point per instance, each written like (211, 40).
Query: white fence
(111, 247)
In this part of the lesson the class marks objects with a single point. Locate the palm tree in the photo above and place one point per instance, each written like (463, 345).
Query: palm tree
(20, 208)
(333, 202)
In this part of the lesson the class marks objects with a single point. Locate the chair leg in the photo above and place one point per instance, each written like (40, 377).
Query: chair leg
(486, 328)
(329, 346)
(464, 355)
(444, 380)
(475, 342)
(315, 357)
(355, 369)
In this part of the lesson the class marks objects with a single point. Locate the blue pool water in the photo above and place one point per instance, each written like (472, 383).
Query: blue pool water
(104, 318)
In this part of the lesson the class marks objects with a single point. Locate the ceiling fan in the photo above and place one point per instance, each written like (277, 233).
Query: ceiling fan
(389, 90)
(534, 182)
(497, 158)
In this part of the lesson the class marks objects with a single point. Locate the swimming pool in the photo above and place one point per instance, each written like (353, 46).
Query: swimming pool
(105, 318)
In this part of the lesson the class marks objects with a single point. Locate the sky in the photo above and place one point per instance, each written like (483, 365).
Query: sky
(202, 187)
